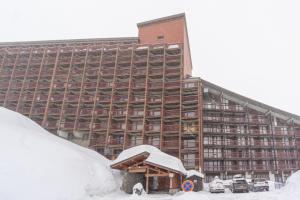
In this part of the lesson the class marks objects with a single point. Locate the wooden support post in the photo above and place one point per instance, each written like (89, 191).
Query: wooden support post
(162, 110)
(65, 91)
(126, 139)
(23, 81)
(147, 182)
(37, 82)
(99, 75)
(171, 176)
(145, 97)
(11, 77)
(45, 115)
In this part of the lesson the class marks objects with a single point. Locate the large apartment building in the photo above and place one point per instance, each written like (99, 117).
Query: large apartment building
(110, 94)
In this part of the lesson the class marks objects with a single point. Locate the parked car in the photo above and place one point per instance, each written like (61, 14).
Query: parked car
(259, 184)
(216, 186)
(227, 183)
(239, 184)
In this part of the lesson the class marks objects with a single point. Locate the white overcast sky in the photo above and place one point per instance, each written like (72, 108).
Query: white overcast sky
(250, 47)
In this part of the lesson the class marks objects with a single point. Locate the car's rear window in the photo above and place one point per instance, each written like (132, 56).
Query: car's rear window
(259, 180)
(241, 181)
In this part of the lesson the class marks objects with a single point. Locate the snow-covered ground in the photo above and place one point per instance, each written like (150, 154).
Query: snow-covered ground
(290, 192)
(36, 165)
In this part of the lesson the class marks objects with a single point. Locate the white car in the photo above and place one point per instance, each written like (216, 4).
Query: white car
(216, 186)
(259, 184)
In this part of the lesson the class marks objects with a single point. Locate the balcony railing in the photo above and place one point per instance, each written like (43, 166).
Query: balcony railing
(67, 125)
(169, 113)
(99, 126)
(171, 127)
(86, 111)
(172, 84)
(54, 111)
(171, 144)
(190, 98)
(225, 107)
(237, 155)
(69, 111)
(84, 125)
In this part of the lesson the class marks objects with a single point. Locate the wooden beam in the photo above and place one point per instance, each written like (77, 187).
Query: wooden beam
(156, 170)
(157, 175)
(137, 170)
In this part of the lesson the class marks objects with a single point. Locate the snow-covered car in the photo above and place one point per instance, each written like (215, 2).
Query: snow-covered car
(216, 186)
(259, 184)
(239, 184)
(227, 183)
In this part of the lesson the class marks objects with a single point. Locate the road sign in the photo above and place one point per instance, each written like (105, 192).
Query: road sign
(187, 186)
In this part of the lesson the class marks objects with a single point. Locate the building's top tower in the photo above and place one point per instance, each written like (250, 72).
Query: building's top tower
(171, 29)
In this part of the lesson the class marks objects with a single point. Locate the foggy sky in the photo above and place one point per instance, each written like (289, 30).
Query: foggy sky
(250, 47)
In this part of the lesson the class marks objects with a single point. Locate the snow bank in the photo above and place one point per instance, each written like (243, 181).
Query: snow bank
(291, 191)
(155, 156)
(35, 164)
(191, 196)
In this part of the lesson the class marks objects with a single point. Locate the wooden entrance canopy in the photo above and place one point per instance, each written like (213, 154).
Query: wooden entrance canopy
(139, 164)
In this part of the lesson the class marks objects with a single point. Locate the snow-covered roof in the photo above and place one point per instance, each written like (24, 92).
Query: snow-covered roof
(192, 172)
(156, 157)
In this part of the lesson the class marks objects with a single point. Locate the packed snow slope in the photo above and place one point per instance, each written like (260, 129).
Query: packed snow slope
(36, 165)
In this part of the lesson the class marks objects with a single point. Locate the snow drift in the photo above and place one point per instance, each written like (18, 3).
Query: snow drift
(291, 191)
(35, 165)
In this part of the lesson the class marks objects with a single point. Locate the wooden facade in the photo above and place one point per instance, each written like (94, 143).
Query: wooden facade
(110, 94)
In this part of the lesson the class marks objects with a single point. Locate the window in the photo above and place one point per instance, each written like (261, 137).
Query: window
(138, 98)
(284, 130)
(191, 143)
(154, 127)
(189, 127)
(242, 141)
(260, 119)
(266, 141)
(190, 114)
(206, 139)
(212, 153)
(212, 165)
(103, 124)
(189, 160)
(225, 104)
(138, 112)
(241, 129)
(137, 126)
(119, 139)
(155, 113)
(135, 140)
(154, 141)
(189, 85)
(263, 130)
(226, 129)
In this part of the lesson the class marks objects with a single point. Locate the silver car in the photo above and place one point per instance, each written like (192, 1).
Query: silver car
(216, 186)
